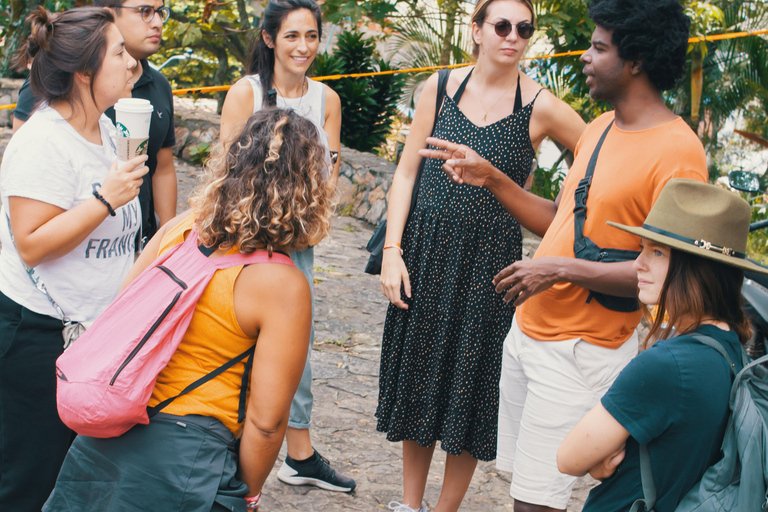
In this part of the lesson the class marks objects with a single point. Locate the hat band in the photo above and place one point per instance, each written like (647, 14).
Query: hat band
(701, 244)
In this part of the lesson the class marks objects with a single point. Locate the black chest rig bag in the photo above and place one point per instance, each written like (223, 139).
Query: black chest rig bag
(586, 249)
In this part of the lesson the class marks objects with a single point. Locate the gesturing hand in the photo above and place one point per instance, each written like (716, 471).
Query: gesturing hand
(463, 165)
(524, 279)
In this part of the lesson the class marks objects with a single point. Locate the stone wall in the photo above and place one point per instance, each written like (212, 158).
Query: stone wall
(9, 92)
(364, 178)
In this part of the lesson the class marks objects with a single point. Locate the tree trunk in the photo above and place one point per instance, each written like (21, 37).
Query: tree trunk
(451, 8)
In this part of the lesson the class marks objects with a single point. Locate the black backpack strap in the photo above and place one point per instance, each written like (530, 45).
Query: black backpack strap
(586, 249)
(442, 83)
(649, 488)
(151, 411)
(583, 247)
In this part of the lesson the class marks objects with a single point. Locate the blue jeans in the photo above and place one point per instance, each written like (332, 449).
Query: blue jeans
(301, 407)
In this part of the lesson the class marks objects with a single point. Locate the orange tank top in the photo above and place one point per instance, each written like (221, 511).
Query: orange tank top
(213, 338)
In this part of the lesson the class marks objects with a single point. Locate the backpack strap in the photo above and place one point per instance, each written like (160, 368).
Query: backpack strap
(713, 343)
(442, 83)
(585, 249)
(151, 411)
(232, 260)
(648, 502)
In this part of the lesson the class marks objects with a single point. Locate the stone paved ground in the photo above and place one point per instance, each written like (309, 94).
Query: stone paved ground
(349, 321)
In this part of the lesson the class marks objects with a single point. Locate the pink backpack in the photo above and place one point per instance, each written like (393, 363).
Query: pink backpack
(106, 378)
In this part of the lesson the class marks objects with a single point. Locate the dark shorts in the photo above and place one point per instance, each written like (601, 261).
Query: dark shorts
(174, 463)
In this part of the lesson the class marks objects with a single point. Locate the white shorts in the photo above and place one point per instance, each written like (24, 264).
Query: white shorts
(545, 389)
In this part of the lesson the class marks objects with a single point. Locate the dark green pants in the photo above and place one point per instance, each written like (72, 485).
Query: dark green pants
(33, 440)
(174, 463)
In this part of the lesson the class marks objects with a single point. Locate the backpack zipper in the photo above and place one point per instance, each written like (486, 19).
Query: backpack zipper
(155, 325)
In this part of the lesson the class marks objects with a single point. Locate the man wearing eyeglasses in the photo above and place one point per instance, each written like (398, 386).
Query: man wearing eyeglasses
(141, 24)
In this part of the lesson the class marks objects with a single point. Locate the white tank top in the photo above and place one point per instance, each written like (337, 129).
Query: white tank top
(310, 106)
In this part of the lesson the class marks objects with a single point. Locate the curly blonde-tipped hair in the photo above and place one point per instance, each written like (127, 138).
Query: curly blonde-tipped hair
(267, 188)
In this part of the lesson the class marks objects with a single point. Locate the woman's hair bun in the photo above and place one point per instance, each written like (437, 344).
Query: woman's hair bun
(41, 25)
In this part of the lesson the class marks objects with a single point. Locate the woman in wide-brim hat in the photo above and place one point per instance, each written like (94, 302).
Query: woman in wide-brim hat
(673, 397)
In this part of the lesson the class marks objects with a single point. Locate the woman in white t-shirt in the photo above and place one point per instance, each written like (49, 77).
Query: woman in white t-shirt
(277, 77)
(68, 226)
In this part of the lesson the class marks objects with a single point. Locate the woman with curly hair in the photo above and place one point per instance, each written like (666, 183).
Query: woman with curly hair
(264, 191)
(279, 60)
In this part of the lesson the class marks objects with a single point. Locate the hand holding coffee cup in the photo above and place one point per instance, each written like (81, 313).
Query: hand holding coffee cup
(123, 181)
(132, 119)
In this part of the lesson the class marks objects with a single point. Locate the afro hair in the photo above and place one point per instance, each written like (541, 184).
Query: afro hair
(654, 32)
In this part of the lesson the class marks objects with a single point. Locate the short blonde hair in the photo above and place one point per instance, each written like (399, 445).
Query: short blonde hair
(267, 188)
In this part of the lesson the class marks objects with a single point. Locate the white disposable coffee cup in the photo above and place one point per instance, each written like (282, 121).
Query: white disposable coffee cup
(132, 119)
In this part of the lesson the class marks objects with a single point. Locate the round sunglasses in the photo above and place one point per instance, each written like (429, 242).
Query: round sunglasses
(504, 27)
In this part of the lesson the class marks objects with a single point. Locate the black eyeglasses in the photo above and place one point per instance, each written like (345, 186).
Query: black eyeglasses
(148, 13)
(504, 27)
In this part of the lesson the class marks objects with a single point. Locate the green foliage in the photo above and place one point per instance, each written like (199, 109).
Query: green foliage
(199, 153)
(218, 33)
(565, 24)
(369, 104)
(337, 11)
(418, 42)
(546, 182)
(14, 30)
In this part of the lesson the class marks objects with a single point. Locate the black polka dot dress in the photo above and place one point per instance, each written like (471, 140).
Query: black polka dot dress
(441, 358)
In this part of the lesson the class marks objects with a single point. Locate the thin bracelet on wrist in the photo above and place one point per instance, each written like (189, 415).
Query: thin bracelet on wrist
(253, 502)
(106, 203)
(394, 245)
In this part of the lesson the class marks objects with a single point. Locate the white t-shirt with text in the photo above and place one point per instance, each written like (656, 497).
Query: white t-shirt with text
(49, 161)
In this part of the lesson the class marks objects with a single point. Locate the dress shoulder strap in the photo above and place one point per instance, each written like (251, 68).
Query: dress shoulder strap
(460, 90)
(519, 97)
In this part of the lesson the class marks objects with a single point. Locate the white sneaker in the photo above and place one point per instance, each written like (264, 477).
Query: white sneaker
(399, 507)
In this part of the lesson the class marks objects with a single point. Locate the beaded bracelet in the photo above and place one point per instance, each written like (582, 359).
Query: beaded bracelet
(106, 203)
(252, 502)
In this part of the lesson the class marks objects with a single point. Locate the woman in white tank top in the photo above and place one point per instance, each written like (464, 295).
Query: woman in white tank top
(277, 77)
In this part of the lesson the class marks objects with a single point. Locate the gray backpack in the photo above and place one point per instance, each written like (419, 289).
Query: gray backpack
(738, 482)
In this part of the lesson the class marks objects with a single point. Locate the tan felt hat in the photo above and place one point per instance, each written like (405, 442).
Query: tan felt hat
(700, 219)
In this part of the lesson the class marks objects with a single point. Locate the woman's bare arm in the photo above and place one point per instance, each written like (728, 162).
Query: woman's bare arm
(275, 300)
(237, 108)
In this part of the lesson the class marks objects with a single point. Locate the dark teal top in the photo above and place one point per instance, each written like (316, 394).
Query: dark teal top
(672, 398)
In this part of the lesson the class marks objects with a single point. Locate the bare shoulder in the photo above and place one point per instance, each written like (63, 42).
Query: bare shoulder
(331, 97)
(279, 282)
(240, 96)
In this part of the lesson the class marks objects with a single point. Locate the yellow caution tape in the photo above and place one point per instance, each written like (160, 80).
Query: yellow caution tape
(222, 88)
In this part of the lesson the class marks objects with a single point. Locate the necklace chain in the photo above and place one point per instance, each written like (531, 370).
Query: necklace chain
(301, 98)
(486, 110)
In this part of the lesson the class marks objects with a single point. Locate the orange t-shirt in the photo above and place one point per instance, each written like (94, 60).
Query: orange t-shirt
(631, 170)
(213, 338)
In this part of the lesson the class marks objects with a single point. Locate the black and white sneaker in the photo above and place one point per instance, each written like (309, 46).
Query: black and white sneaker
(314, 471)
